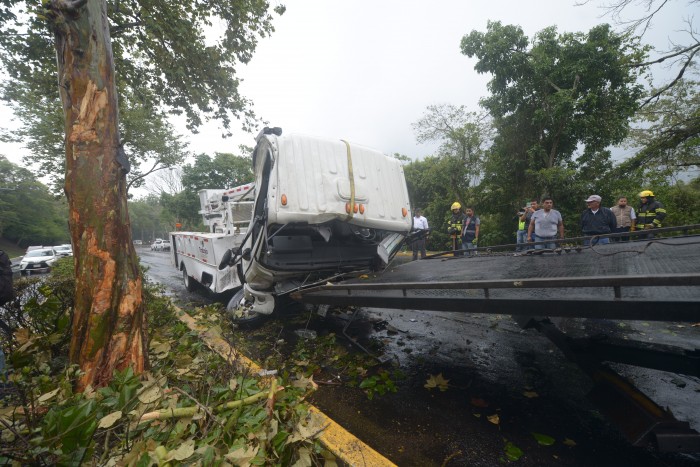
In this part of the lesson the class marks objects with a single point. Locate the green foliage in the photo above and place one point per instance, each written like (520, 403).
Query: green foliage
(681, 199)
(146, 219)
(380, 384)
(557, 102)
(29, 215)
(42, 306)
(667, 134)
(196, 74)
(108, 425)
(224, 170)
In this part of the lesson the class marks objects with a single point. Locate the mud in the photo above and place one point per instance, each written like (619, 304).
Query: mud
(494, 368)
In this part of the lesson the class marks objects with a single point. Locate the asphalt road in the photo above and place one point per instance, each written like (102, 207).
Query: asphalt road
(506, 386)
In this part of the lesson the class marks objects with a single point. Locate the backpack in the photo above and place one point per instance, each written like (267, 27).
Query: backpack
(7, 292)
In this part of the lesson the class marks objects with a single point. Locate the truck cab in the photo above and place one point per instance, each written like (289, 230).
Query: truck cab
(322, 208)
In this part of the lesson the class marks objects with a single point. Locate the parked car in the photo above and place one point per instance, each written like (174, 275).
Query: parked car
(37, 261)
(138, 242)
(63, 250)
(161, 245)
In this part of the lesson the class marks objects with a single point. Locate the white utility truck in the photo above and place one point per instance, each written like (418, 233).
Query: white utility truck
(318, 209)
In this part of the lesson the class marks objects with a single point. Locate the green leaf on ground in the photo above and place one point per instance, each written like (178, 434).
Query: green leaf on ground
(513, 452)
(543, 440)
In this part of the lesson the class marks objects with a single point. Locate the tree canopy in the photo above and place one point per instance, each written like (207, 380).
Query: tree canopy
(557, 101)
(28, 212)
(171, 58)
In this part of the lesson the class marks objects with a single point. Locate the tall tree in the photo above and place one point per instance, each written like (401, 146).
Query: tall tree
(463, 136)
(162, 48)
(557, 102)
(224, 170)
(28, 212)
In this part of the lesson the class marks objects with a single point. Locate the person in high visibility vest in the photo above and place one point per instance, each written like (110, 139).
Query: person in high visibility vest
(650, 214)
(455, 227)
(521, 234)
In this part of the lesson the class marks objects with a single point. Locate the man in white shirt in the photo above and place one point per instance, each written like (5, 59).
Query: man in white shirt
(419, 223)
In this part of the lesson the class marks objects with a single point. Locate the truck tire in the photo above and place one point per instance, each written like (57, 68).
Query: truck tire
(240, 311)
(190, 284)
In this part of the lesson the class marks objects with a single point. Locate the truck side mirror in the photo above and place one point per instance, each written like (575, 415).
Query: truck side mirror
(246, 254)
(225, 260)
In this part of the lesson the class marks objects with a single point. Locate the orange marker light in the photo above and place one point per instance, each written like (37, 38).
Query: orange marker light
(404, 212)
(284, 200)
(362, 208)
(347, 208)
(355, 208)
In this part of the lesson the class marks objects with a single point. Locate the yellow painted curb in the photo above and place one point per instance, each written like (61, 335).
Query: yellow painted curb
(343, 444)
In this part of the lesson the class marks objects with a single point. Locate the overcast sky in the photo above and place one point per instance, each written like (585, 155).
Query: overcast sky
(366, 70)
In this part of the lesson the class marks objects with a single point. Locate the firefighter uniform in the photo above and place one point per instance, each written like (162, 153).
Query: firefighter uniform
(651, 213)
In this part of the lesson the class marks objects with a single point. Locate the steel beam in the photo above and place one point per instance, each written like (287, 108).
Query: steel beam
(682, 311)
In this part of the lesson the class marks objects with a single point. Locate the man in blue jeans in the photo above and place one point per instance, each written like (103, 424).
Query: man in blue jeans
(544, 225)
(597, 220)
(470, 231)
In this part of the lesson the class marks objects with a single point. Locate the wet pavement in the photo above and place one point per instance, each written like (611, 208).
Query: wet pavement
(507, 386)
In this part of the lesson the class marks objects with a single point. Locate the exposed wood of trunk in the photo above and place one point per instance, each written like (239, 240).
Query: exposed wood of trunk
(108, 326)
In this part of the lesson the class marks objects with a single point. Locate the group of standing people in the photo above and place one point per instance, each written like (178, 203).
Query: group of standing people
(463, 229)
(542, 225)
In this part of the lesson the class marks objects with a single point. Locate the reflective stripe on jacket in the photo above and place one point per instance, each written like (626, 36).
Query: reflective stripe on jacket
(456, 223)
(652, 212)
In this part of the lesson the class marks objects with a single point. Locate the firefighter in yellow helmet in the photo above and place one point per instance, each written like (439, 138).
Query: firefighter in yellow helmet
(650, 213)
(455, 227)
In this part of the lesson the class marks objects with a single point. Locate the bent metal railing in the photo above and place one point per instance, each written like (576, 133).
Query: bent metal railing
(575, 243)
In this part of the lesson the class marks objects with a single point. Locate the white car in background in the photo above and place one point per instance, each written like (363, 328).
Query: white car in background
(63, 250)
(161, 245)
(39, 260)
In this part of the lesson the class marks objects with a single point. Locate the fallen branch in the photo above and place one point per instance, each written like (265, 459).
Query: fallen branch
(181, 412)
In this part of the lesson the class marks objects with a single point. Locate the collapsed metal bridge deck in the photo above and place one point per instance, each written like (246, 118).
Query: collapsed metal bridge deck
(643, 280)
(657, 279)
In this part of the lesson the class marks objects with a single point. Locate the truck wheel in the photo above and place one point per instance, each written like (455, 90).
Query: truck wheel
(190, 284)
(241, 311)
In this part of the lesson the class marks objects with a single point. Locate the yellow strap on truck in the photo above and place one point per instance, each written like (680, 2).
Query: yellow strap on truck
(351, 178)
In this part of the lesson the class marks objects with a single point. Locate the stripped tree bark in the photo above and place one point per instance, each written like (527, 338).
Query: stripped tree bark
(109, 320)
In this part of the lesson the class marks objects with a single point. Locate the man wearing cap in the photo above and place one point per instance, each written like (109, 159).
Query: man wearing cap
(597, 220)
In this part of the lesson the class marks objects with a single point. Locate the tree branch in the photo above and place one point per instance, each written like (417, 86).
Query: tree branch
(666, 57)
(672, 83)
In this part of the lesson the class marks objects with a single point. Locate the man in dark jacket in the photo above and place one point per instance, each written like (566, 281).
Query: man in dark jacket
(597, 220)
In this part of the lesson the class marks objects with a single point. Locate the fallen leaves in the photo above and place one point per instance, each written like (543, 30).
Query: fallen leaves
(109, 420)
(437, 382)
(543, 440)
(495, 419)
(569, 442)
(513, 452)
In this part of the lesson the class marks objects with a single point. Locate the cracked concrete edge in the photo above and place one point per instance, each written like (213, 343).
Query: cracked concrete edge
(343, 444)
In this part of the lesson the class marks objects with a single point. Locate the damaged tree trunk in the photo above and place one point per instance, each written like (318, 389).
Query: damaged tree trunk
(109, 319)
